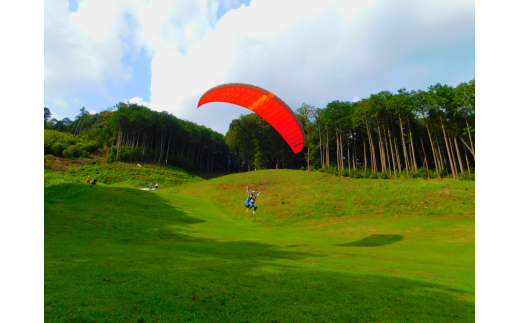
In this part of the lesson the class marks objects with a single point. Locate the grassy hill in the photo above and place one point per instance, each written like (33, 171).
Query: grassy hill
(290, 196)
(319, 249)
(120, 174)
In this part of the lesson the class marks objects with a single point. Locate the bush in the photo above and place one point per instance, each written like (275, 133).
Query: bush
(420, 173)
(356, 173)
(372, 176)
(47, 159)
(59, 144)
(345, 173)
(71, 152)
(384, 176)
(466, 177)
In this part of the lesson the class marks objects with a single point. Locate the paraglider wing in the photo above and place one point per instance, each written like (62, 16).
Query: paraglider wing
(264, 103)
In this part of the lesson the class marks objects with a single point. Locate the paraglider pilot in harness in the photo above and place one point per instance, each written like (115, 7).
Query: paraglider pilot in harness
(250, 202)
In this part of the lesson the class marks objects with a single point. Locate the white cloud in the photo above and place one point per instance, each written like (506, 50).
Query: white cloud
(303, 51)
(315, 52)
(55, 115)
(139, 101)
(82, 49)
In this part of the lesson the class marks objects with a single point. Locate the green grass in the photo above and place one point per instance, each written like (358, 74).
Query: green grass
(291, 196)
(118, 174)
(188, 253)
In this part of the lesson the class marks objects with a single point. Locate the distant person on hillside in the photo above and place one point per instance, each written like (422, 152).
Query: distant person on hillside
(88, 179)
(252, 198)
(157, 185)
(151, 186)
(94, 181)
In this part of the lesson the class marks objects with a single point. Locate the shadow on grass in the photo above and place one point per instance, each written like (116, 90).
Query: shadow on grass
(112, 254)
(375, 240)
(112, 213)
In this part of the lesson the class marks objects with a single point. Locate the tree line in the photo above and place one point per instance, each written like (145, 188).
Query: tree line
(135, 133)
(409, 133)
(429, 134)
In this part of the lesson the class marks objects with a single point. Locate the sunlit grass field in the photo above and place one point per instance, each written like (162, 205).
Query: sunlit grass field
(319, 249)
(118, 174)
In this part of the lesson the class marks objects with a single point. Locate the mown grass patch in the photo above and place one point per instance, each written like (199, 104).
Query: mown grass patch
(117, 254)
(291, 196)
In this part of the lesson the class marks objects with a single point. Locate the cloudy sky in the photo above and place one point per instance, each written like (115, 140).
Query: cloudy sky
(166, 54)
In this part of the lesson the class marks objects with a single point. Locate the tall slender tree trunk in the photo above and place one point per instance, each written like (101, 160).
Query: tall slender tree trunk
(453, 170)
(467, 161)
(441, 157)
(387, 152)
(144, 147)
(354, 157)
(348, 155)
(453, 157)
(470, 140)
(411, 145)
(341, 150)
(365, 154)
(382, 153)
(458, 154)
(392, 152)
(155, 149)
(327, 149)
(337, 150)
(397, 155)
(433, 150)
(321, 149)
(370, 144)
(168, 150)
(425, 160)
(404, 146)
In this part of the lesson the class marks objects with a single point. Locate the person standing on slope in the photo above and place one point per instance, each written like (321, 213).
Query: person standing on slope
(151, 186)
(252, 198)
(88, 179)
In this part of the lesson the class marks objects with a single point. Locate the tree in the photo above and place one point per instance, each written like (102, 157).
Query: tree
(307, 115)
(46, 115)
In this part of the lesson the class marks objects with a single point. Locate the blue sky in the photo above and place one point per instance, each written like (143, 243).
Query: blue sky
(166, 54)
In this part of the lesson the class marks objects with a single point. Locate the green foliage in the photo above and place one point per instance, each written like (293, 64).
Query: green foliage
(139, 134)
(422, 173)
(376, 131)
(466, 177)
(356, 173)
(47, 160)
(46, 115)
(66, 145)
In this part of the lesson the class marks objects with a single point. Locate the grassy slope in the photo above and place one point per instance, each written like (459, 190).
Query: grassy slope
(290, 196)
(119, 174)
(189, 253)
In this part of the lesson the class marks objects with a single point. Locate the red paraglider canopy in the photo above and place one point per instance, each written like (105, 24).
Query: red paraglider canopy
(264, 103)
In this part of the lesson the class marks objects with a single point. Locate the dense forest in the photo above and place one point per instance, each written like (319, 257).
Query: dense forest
(428, 134)
(134, 133)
